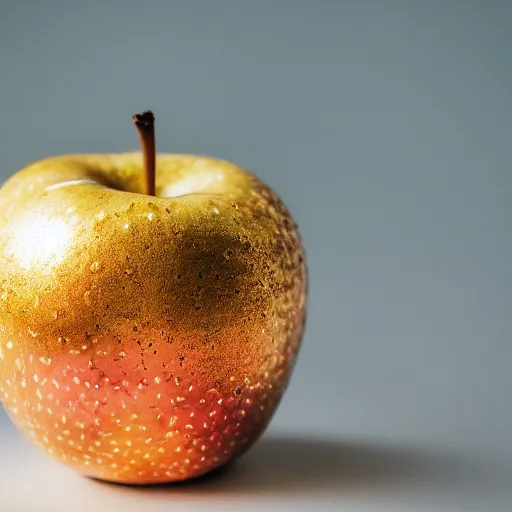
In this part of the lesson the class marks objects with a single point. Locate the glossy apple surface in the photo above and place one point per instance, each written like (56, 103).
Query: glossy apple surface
(146, 339)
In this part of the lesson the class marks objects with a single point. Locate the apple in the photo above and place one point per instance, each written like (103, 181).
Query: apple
(149, 321)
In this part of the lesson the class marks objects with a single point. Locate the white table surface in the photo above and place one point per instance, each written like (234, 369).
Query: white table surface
(289, 471)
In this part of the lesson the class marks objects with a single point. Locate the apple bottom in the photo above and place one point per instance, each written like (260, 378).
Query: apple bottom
(125, 422)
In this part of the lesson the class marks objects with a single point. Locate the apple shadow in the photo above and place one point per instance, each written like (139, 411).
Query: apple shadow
(309, 466)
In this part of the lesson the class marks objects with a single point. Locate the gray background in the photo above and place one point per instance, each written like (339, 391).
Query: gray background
(385, 126)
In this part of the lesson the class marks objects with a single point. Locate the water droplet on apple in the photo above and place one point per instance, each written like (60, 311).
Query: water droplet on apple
(95, 266)
(87, 297)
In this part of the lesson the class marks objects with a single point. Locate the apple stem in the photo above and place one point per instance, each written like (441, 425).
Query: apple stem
(145, 124)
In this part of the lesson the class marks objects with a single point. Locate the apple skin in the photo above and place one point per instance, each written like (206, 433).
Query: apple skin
(146, 339)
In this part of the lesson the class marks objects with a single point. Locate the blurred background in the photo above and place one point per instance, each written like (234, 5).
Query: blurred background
(384, 126)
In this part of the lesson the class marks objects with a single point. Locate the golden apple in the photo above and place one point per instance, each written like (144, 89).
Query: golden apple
(146, 338)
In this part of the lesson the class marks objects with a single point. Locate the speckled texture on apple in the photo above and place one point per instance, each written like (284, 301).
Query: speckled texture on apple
(146, 339)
